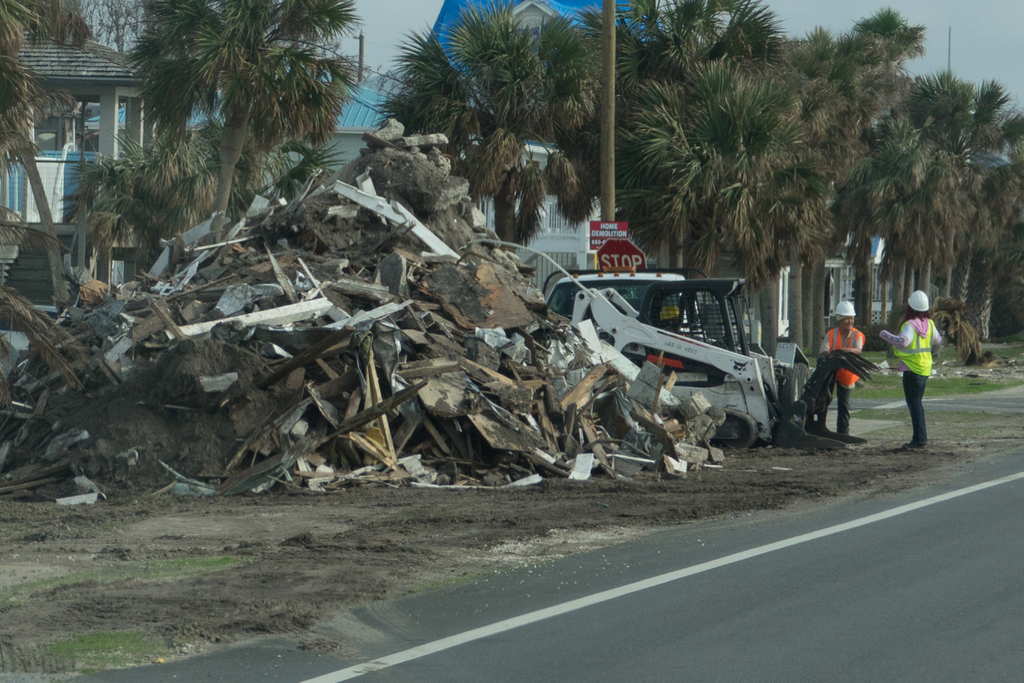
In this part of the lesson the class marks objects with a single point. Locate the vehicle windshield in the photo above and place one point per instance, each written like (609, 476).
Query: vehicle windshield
(564, 293)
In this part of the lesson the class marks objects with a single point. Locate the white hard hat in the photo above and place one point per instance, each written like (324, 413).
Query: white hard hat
(845, 310)
(918, 301)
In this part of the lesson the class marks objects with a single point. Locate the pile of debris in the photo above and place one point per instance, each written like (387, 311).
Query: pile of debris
(354, 335)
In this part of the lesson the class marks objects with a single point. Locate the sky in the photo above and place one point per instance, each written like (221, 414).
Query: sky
(986, 43)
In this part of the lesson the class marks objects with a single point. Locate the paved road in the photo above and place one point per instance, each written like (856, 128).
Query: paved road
(924, 586)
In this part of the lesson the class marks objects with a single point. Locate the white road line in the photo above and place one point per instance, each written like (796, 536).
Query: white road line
(604, 596)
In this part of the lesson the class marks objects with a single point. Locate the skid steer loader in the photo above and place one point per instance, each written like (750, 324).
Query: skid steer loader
(698, 329)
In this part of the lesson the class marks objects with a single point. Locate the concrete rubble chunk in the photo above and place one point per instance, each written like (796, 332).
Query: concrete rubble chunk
(217, 383)
(422, 141)
(390, 130)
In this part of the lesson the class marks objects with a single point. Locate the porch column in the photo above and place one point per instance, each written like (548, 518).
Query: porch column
(108, 122)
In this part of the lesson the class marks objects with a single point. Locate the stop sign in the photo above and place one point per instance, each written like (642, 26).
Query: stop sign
(619, 253)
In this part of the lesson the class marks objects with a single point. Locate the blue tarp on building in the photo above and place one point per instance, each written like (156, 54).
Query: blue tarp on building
(451, 9)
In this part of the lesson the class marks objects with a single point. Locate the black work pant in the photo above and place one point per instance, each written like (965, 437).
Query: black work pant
(843, 409)
(913, 389)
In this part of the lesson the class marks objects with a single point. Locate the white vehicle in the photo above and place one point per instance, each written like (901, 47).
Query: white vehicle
(631, 285)
(697, 329)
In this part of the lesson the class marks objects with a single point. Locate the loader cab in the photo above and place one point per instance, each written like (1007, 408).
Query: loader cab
(712, 311)
(631, 284)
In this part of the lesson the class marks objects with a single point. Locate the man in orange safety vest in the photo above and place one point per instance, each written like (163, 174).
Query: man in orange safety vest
(846, 338)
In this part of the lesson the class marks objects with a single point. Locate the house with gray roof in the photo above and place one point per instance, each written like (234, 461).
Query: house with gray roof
(101, 82)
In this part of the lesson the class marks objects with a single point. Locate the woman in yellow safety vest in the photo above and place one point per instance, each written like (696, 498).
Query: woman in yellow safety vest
(913, 346)
(843, 338)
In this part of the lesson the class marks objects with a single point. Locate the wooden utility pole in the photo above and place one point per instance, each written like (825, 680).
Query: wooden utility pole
(608, 112)
(362, 52)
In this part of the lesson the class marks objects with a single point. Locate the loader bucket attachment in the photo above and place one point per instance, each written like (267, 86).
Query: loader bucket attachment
(802, 424)
(791, 432)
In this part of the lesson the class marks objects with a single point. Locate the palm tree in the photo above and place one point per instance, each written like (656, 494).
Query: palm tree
(156, 192)
(979, 130)
(261, 67)
(846, 81)
(493, 87)
(716, 166)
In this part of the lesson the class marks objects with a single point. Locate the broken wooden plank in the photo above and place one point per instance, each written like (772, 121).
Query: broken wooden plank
(581, 392)
(282, 279)
(371, 448)
(158, 308)
(440, 441)
(331, 374)
(476, 370)
(361, 289)
(372, 413)
(428, 368)
(332, 343)
(504, 437)
(265, 470)
(410, 423)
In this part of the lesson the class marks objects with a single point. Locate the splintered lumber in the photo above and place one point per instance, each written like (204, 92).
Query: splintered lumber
(439, 440)
(591, 436)
(373, 397)
(580, 393)
(281, 278)
(371, 448)
(503, 436)
(370, 414)
(334, 342)
(428, 368)
(365, 290)
(172, 327)
(410, 424)
(265, 470)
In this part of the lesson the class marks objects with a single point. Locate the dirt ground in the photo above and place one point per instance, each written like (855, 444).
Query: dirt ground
(193, 573)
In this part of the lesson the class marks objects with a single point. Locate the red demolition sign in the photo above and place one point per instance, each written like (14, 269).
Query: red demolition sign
(616, 253)
(602, 231)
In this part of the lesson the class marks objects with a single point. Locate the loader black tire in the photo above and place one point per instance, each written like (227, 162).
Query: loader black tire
(793, 384)
(738, 431)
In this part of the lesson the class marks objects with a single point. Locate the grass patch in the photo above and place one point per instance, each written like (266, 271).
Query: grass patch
(100, 651)
(891, 386)
(162, 570)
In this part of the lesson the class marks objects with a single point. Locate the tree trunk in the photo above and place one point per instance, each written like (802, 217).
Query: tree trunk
(675, 251)
(769, 300)
(899, 290)
(35, 181)
(884, 301)
(908, 283)
(926, 279)
(232, 141)
(962, 274)
(505, 213)
(796, 308)
(869, 287)
(818, 307)
(806, 292)
(948, 284)
(979, 297)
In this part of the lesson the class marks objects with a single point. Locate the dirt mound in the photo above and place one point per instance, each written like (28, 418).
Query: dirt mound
(159, 414)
